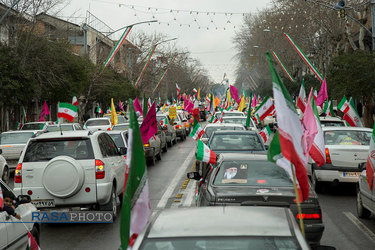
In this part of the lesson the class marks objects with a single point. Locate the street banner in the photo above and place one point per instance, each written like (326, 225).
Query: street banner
(172, 112)
(146, 64)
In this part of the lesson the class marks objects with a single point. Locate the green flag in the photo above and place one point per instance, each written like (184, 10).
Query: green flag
(145, 106)
(136, 202)
(248, 114)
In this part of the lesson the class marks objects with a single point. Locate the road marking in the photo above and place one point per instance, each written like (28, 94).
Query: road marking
(360, 226)
(190, 195)
(168, 193)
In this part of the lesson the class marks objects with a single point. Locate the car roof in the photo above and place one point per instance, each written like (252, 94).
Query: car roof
(115, 132)
(347, 128)
(65, 134)
(232, 132)
(99, 118)
(231, 117)
(221, 221)
(223, 125)
(243, 157)
(21, 131)
(333, 119)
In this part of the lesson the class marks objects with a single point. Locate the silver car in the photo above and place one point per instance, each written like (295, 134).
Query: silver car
(76, 170)
(168, 129)
(64, 127)
(241, 227)
(95, 124)
(35, 125)
(12, 144)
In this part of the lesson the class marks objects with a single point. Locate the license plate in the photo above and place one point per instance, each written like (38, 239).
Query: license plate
(351, 174)
(43, 203)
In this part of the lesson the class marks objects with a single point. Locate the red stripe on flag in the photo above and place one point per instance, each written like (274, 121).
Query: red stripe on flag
(200, 133)
(269, 110)
(370, 172)
(349, 120)
(317, 155)
(301, 105)
(212, 157)
(66, 116)
(263, 136)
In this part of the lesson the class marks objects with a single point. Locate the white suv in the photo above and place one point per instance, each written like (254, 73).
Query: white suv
(76, 170)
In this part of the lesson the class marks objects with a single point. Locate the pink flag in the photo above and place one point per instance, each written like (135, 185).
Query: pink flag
(309, 125)
(120, 105)
(149, 125)
(254, 102)
(45, 112)
(189, 106)
(234, 94)
(322, 95)
(137, 107)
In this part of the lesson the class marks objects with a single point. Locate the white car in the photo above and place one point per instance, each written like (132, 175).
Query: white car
(332, 122)
(95, 124)
(240, 120)
(35, 125)
(64, 127)
(77, 170)
(233, 113)
(13, 234)
(212, 127)
(345, 149)
(12, 144)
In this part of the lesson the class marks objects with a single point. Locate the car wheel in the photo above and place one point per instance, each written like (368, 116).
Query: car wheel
(362, 212)
(317, 185)
(165, 149)
(170, 143)
(35, 233)
(6, 175)
(152, 161)
(112, 204)
(158, 157)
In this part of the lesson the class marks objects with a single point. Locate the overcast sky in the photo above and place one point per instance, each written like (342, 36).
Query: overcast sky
(213, 46)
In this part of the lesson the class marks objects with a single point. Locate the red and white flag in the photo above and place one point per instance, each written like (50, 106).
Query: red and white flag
(197, 131)
(317, 150)
(205, 154)
(75, 101)
(178, 92)
(265, 133)
(370, 169)
(264, 109)
(301, 101)
(31, 243)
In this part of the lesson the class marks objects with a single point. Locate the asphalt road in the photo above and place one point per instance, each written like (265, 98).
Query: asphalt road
(169, 188)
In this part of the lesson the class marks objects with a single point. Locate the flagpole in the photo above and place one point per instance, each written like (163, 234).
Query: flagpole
(298, 200)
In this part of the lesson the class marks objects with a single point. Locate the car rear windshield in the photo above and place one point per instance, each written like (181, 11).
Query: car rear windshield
(103, 122)
(222, 243)
(45, 150)
(252, 173)
(55, 128)
(117, 138)
(241, 121)
(236, 142)
(210, 130)
(121, 127)
(160, 117)
(347, 137)
(33, 126)
(332, 124)
(15, 138)
(232, 114)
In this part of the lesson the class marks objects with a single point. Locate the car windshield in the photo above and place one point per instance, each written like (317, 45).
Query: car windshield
(222, 243)
(210, 130)
(33, 126)
(54, 128)
(117, 138)
(15, 138)
(45, 150)
(101, 122)
(347, 137)
(252, 173)
(236, 142)
(241, 121)
(332, 123)
(121, 127)
(226, 114)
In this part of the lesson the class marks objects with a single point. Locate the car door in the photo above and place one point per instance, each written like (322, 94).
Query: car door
(3, 230)
(366, 193)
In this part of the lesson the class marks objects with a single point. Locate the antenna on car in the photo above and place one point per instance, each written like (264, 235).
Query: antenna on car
(61, 133)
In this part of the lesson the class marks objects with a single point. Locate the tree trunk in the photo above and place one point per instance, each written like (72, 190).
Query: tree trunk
(367, 114)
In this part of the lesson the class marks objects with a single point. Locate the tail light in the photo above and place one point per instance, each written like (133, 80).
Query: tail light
(18, 174)
(315, 216)
(178, 126)
(108, 129)
(146, 145)
(99, 169)
(328, 157)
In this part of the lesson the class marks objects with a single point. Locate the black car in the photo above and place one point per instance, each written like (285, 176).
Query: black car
(202, 112)
(251, 180)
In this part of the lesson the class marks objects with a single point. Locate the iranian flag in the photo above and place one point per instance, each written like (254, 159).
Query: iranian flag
(265, 108)
(317, 150)
(178, 92)
(117, 46)
(343, 105)
(328, 109)
(205, 154)
(197, 131)
(301, 101)
(290, 130)
(370, 169)
(164, 122)
(31, 243)
(265, 133)
(67, 111)
(135, 211)
(75, 101)
(351, 115)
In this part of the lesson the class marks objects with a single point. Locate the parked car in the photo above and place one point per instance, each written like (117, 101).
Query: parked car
(222, 228)
(240, 120)
(36, 125)
(332, 122)
(233, 113)
(153, 150)
(346, 147)
(4, 168)
(12, 144)
(365, 196)
(251, 180)
(64, 127)
(202, 112)
(95, 124)
(13, 234)
(78, 169)
(168, 129)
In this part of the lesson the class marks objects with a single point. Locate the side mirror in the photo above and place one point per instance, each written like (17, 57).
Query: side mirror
(362, 166)
(122, 150)
(194, 176)
(21, 199)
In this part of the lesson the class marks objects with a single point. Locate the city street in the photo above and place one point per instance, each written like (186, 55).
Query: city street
(170, 189)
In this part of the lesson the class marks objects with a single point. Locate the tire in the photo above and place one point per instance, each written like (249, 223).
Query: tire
(316, 185)
(35, 233)
(152, 161)
(165, 149)
(158, 157)
(362, 212)
(112, 204)
(170, 143)
(6, 175)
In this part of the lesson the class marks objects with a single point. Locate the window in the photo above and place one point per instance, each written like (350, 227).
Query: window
(111, 146)
(347, 137)
(118, 140)
(101, 122)
(236, 142)
(15, 138)
(54, 128)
